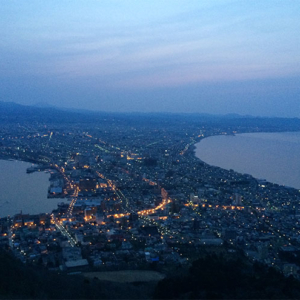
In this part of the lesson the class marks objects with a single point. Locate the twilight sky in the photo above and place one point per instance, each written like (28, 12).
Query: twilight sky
(204, 56)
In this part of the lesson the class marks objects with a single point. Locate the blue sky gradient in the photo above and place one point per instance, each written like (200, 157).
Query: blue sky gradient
(168, 55)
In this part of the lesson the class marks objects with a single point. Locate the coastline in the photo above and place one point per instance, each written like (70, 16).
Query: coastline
(239, 169)
(30, 192)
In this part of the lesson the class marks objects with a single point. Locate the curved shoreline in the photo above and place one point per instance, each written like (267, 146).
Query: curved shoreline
(23, 198)
(278, 181)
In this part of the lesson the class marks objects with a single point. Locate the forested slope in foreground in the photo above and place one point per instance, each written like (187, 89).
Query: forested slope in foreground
(18, 281)
(210, 277)
(217, 277)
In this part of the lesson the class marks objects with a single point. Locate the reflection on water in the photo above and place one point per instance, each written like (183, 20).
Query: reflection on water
(272, 156)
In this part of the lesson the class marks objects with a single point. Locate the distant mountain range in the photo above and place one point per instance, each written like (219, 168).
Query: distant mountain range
(12, 107)
(45, 113)
(10, 111)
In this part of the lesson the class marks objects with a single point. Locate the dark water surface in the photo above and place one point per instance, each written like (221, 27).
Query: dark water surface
(22, 191)
(271, 156)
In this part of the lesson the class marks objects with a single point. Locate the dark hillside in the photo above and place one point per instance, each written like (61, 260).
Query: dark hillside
(215, 277)
(18, 281)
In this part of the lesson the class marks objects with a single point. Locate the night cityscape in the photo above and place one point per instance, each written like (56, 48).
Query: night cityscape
(136, 198)
(149, 149)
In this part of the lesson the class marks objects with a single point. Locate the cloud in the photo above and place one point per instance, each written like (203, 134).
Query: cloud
(135, 48)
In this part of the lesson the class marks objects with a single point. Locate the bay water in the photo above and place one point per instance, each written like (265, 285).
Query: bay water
(24, 192)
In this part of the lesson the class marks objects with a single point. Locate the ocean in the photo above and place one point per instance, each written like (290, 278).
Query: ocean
(271, 156)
